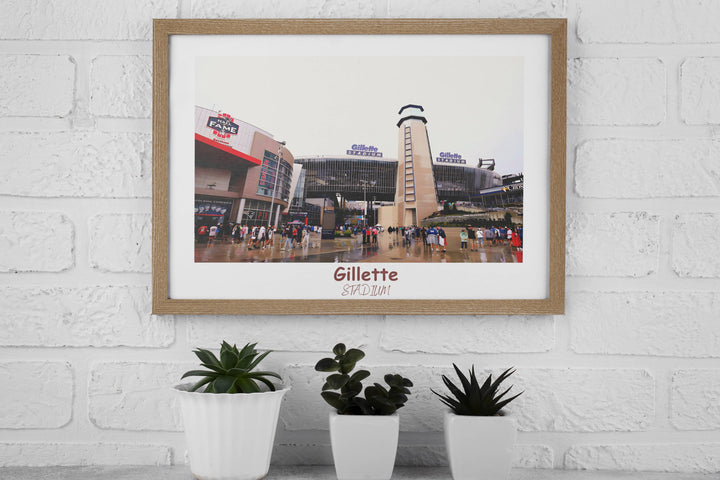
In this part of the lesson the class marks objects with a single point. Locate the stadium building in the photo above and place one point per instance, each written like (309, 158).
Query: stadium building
(236, 167)
(243, 175)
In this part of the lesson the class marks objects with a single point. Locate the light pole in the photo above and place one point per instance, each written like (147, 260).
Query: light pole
(277, 169)
(365, 183)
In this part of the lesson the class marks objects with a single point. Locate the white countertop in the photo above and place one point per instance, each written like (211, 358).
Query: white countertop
(319, 473)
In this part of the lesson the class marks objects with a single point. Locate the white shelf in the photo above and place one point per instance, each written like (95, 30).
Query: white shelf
(317, 473)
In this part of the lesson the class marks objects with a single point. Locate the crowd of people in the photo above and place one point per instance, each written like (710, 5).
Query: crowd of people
(435, 238)
(258, 237)
(293, 235)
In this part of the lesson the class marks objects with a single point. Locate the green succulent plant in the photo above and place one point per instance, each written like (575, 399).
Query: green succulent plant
(346, 399)
(474, 399)
(232, 372)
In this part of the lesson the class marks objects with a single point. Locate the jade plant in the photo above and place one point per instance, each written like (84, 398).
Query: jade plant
(474, 399)
(342, 390)
(233, 372)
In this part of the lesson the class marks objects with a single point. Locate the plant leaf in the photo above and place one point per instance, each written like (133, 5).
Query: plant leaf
(359, 376)
(333, 399)
(327, 365)
(267, 382)
(199, 384)
(353, 355)
(337, 380)
(258, 360)
(199, 373)
(228, 359)
(206, 356)
(223, 384)
(263, 374)
(246, 385)
(339, 349)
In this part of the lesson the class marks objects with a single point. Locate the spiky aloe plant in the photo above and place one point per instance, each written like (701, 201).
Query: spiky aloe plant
(232, 372)
(474, 399)
(378, 399)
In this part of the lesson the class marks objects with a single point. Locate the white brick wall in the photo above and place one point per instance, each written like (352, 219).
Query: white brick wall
(626, 380)
(75, 164)
(692, 234)
(35, 242)
(121, 243)
(701, 458)
(700, 91)
(598, 162)
(672, 324)
(630, 240)
(36, 394)
(121, 86)
(616, 91)
(694, 399)
(27, 90)
(81, 317)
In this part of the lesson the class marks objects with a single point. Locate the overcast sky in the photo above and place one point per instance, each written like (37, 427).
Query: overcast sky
(323, 105)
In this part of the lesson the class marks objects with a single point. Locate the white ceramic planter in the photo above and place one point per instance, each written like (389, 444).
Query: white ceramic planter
(230, 435)
(480, 447)
(364, 446)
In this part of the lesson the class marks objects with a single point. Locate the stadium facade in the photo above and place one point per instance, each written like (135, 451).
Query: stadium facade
(243, 175)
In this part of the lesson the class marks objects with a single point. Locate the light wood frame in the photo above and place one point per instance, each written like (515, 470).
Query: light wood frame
(556, 29)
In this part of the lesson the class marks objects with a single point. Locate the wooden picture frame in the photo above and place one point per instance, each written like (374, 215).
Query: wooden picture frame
(551, 31)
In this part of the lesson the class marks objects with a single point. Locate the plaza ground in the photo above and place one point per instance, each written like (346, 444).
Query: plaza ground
(390, 249)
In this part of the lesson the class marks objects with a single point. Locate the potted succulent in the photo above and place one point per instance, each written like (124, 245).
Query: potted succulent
(230, 415)
(479, 437)
(363, 428)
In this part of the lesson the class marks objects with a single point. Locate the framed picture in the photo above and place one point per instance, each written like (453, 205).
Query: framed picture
(352, 166)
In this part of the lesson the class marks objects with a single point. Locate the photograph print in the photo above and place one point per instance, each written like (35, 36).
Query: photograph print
(359, 159)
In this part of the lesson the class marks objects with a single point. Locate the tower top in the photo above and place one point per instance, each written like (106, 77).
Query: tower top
(411, 112)
(417, 107)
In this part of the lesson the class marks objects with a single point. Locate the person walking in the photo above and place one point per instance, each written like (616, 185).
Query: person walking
(431, 235)
(472, 237)
(463, 239)
(442, 239)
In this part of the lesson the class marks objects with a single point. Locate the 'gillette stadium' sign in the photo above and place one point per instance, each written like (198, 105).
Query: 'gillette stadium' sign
(447, 157)
(364, 150)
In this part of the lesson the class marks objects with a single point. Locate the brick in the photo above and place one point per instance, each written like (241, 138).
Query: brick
(38, 454)
(35, 242)
(700, 91)
(75, 164)
(648, 21)
(136, 395)
(309, 333)
(627, 168)
(616, 91)
(27, 89)
(470, 8)
(666, 457)
(526, 456)
(121, 242)
(694, 399)
(693, 234)
(676, 324)
(71, 20)
(480, 334)
(121, 86)
(81, 317)
(35, 394)
(612, 245)
(287, 9)
(609, 400)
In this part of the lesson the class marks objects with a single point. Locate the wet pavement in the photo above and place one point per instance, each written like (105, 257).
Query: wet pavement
(391, 248)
